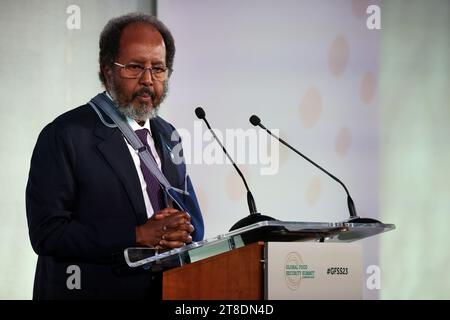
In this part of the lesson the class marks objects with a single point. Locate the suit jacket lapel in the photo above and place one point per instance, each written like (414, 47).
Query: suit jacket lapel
(164, 146)
(115, 151)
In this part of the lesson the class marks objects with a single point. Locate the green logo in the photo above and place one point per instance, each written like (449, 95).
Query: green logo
(296, 270)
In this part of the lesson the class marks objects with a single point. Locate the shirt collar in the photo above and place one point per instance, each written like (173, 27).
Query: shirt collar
(108, 95)
(136, 126)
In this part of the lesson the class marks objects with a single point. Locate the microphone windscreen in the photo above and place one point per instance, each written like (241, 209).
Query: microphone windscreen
(200, 113)
(254, 120)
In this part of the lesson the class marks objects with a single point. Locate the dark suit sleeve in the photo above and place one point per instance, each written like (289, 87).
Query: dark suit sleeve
(166, 134)
(196, 215)
(51, 204)
(190, 201)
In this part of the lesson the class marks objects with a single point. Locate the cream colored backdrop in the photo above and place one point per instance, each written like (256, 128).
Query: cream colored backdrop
(372, 106)
(308, 68)
(414, 149)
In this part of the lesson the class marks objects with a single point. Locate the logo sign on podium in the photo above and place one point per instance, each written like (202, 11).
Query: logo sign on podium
(313, 270)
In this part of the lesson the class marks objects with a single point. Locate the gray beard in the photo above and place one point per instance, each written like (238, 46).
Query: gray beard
(141, 113)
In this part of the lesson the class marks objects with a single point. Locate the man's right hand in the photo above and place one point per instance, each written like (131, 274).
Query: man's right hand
(167, 229)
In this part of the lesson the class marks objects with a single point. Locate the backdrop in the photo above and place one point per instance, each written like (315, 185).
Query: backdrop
(370, 105)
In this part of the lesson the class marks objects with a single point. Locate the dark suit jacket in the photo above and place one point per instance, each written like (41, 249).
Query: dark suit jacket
(83, 202)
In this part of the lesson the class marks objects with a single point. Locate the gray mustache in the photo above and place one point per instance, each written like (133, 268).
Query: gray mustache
(144, 91)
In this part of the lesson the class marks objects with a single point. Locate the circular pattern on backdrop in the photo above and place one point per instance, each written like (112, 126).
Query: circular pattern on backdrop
(313, 191)
(359, 8)
(338, 55)
(343, 141)
(368, 87)
(310, 108)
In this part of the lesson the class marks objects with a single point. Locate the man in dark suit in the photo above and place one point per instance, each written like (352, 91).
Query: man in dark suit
(88, 196)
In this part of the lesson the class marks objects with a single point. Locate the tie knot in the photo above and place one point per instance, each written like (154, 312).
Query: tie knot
(142, 134)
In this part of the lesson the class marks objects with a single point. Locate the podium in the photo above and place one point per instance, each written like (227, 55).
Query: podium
(265, 260)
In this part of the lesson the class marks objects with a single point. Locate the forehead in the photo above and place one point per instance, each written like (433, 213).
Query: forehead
(141, 43)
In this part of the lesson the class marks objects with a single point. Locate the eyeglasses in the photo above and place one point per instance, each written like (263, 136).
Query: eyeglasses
(134, 71)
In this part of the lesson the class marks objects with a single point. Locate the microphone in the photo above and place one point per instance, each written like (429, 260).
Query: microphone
(354, 218)
(254, 216)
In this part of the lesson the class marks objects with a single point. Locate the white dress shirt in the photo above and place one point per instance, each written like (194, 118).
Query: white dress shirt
(137, 161)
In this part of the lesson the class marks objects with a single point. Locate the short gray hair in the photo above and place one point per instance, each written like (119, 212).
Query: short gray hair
(110, 39)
